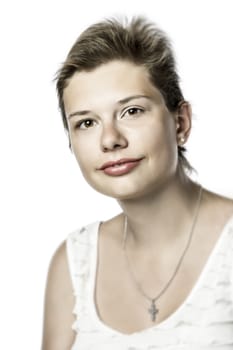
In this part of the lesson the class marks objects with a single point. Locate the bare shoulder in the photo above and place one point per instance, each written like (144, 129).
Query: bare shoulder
(59, 303)
(109, 230)
(218, 201)
(59, 263)
(217, 207)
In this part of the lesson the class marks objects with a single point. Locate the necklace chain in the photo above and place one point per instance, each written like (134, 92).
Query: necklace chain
(153, 309)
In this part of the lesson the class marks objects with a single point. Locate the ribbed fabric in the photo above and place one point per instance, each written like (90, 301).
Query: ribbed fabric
(203, 322)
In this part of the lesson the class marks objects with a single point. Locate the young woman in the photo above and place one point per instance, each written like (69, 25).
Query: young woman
(160, 274)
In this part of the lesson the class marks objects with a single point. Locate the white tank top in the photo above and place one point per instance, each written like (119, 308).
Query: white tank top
(203, 321)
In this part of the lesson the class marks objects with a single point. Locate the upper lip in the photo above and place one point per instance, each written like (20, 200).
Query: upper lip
(119, 162)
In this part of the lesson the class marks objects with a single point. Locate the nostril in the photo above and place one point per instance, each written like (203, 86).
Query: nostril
(113, 139)
(117, 146)
(112, 147)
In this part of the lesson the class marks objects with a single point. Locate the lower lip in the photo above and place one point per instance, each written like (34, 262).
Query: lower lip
(121, 169)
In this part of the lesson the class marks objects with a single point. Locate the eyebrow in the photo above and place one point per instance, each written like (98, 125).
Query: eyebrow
(127, 99)
(120, 102)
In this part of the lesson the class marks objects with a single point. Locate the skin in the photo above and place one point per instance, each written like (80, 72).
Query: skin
(155, 192)
(115, 133)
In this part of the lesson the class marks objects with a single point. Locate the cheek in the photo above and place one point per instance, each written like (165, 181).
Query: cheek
(154, 137)
(84, 142)
(83, 160)
(159, 141)
(86, 155)
(80, 152)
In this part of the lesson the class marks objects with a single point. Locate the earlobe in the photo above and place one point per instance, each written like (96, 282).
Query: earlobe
(69, 139)
(71, 148)
(183, 122)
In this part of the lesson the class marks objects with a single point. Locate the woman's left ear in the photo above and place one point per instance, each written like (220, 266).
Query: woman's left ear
(183, 122)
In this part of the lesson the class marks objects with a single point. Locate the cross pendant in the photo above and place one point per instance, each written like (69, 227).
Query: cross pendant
(153, 311)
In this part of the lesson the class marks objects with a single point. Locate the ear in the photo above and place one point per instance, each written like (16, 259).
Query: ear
(183, 122)
(69, 139)
(70, 147)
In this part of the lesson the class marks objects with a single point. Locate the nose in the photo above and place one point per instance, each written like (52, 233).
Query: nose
(112, 138)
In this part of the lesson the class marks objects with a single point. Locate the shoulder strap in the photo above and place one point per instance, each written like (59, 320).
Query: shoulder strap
(81, 246)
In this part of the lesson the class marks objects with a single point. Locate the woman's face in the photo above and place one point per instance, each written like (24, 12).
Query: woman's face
(121, 132)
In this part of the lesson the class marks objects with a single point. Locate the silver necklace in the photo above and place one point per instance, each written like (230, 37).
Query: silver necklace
(153, 310)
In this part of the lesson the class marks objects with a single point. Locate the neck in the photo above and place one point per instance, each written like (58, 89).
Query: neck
(161, 216)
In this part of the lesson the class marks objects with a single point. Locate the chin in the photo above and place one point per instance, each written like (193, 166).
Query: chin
(121, 188)
(121, 193)
(116, 192)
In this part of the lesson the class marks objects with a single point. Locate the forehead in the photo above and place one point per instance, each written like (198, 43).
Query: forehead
(111, 82)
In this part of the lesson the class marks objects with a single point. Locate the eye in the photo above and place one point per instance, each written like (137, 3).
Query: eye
(85, 124)
(132, 111)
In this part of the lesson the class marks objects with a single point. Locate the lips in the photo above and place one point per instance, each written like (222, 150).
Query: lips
(120, 167)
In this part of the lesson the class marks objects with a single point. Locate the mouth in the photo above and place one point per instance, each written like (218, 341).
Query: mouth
(121, 166)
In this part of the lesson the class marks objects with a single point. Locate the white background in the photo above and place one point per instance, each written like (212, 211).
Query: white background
(42, 193)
